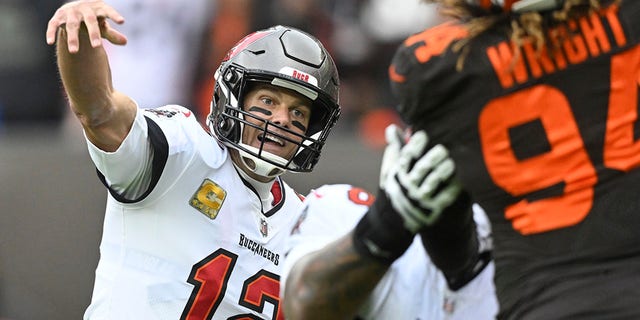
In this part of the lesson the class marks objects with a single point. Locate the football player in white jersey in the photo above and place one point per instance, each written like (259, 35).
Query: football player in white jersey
(328, 277)
(196, 223)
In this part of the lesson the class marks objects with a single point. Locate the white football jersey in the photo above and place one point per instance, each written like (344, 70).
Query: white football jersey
(413, 288)
(197, 245)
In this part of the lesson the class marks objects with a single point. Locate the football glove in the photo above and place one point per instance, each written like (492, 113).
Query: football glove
(415, 188)
(419, 184)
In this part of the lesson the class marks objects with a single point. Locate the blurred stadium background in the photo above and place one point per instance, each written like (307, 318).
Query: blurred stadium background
(51, 202)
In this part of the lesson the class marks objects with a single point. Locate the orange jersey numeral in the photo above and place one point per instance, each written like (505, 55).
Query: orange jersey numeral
(567, 162)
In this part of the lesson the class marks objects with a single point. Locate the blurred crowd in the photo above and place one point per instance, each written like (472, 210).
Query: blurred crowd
(177, 64)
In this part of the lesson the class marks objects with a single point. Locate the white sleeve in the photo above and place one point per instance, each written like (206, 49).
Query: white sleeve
(162, 142)
(128, 169)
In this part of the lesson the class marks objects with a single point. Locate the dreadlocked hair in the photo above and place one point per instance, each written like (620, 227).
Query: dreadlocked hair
(529, 26)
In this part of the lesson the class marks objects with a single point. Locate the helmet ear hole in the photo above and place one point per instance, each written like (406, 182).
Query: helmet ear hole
(228, 127)
(224, 126)
(230, 76)
(222, 115)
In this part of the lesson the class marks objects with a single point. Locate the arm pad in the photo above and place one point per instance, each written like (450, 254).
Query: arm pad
(452, 243)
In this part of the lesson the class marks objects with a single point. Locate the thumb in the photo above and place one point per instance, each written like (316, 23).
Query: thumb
(112, 35)
(393, 135)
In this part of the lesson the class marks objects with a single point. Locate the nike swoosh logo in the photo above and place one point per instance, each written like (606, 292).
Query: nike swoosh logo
(187, 114)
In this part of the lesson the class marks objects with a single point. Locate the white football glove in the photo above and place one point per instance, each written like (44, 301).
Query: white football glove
(413, 178)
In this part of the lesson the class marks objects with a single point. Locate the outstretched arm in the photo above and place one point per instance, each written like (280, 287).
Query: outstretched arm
(105, 114)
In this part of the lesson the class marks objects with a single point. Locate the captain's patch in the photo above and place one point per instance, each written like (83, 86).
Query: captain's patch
(208, 198)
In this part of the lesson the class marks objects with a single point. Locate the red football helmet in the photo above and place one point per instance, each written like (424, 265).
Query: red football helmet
(520, 5)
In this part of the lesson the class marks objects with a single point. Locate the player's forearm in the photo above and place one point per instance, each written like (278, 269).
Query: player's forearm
(86, 78)
(452, 243)
(331, 283)
(105, 114)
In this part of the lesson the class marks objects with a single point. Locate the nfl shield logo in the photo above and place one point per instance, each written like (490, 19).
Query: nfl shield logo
(264, 228)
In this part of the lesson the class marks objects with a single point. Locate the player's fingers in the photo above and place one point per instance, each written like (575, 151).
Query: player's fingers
(72, 28)
(415, 146)
(427, 163)
(440, 173)
(412, 150)
(71, 16)
(391, 152)
(447, 195)
(111, 34)
(393, 135)
(394, 144)
(52, 27)
(403, 206)
(90, 20)
(111, 13)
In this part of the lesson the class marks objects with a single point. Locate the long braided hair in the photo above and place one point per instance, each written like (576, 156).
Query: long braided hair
(533, 26)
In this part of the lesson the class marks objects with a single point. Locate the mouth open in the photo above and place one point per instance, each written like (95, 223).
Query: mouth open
(270, 139)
